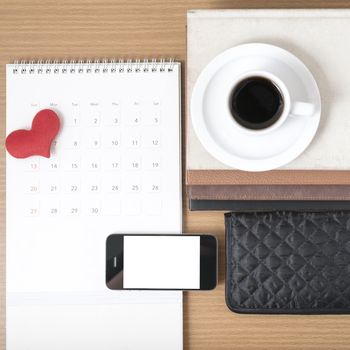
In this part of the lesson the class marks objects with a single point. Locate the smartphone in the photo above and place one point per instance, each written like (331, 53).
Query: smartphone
(161, 262)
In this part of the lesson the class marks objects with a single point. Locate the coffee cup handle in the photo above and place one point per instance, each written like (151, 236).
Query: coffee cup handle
(302, 109)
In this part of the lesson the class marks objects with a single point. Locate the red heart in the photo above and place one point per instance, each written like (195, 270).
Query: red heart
(36, 141)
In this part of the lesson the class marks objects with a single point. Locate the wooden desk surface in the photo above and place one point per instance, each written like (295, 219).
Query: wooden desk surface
(63, 29)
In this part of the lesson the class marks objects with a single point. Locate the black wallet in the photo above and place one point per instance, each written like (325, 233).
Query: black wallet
(288, 262)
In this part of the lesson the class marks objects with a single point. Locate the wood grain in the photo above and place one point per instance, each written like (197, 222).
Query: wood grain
(31, 29)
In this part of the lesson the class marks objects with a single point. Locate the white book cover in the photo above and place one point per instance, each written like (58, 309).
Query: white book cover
(315, 36)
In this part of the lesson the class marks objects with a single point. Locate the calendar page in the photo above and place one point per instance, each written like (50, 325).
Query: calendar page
(114, 168)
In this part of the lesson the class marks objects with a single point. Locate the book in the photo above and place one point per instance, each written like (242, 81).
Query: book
(326, 161)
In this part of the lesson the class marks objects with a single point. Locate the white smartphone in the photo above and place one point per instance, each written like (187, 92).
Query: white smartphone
(161, 262)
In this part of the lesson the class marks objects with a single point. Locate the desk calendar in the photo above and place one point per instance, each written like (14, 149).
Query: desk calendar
(114, 167)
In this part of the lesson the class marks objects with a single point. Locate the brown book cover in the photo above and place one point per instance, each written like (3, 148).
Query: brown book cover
(269, 192)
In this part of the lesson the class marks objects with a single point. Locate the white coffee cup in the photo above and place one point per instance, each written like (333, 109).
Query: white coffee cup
(288, 108)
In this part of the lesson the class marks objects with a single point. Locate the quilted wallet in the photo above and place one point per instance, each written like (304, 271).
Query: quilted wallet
(288, 262)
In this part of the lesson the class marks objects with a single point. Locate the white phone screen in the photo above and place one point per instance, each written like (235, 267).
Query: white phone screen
(162, 262)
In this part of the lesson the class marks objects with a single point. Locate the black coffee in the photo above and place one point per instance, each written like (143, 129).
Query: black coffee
(256, 103)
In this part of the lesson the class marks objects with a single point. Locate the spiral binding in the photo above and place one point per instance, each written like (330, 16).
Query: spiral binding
(93, 66)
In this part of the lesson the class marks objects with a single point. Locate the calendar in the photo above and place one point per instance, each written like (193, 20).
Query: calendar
(114, 168)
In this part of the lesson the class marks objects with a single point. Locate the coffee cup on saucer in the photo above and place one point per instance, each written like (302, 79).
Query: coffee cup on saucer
(255, 107)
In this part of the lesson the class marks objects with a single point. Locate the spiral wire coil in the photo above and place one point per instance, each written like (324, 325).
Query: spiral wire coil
(93, 66)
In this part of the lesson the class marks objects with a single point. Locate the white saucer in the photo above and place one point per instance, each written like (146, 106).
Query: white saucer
(244, 150)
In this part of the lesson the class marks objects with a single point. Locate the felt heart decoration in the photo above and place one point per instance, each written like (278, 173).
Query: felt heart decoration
(36, 141)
